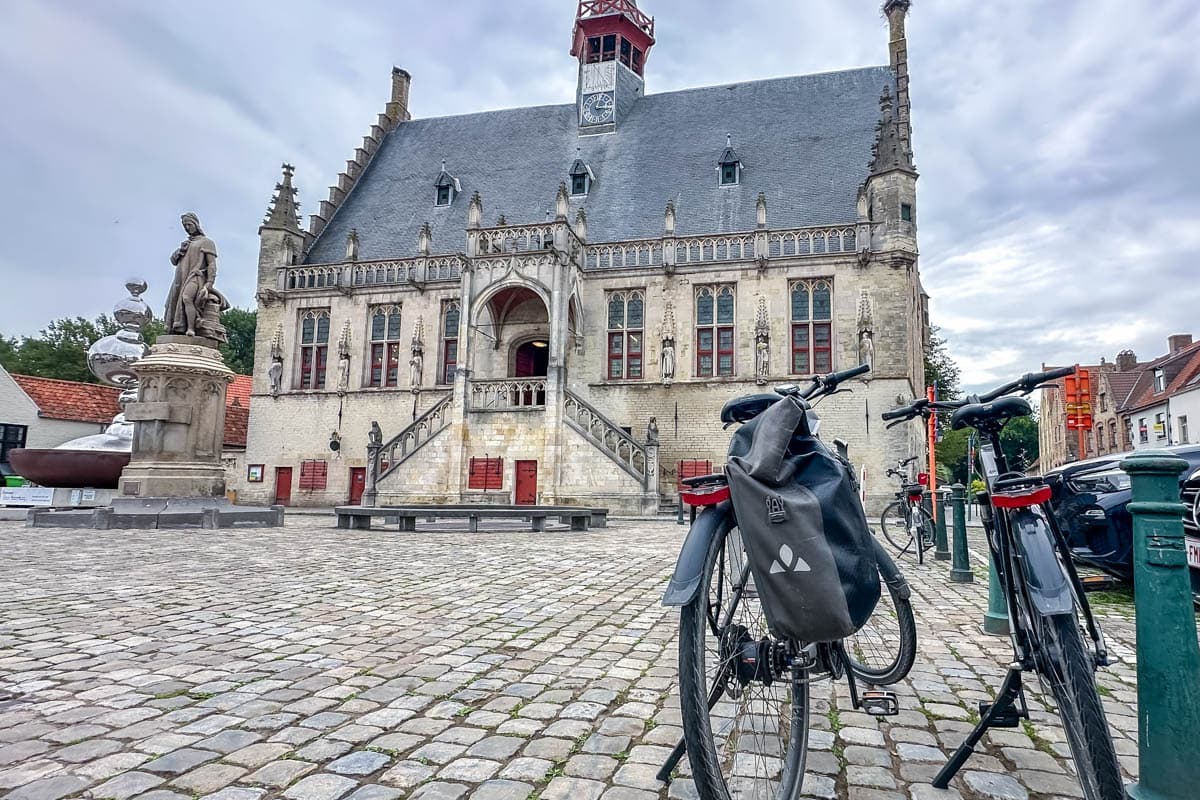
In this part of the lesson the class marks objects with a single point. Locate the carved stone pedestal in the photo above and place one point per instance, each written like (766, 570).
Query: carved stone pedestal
(179, 421)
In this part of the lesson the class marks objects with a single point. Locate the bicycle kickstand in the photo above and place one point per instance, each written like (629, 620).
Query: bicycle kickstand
(1006, 712)
(672, 761)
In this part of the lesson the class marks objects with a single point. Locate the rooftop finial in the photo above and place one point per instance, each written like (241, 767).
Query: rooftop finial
(283, 209)
(729, 140)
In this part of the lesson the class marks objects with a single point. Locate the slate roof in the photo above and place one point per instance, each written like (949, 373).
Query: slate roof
(804, 141)
(70, 400)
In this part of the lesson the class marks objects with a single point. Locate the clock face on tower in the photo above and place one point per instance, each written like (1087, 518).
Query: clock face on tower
(598, 108)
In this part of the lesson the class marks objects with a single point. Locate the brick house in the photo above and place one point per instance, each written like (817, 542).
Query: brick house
(551, 304)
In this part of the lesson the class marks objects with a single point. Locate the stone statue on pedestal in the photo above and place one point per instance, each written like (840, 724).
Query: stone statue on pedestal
(652, 431)
(194, 305)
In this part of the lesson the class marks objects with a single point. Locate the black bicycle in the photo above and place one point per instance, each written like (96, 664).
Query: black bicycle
(905, 523)
(744, 694)
(1046, 600)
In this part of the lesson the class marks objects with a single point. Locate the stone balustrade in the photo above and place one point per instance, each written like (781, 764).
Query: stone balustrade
(609, 437)
(351, 274)
(508, 394)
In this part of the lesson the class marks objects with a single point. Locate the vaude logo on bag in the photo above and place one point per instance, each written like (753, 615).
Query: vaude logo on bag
(785, 555)
(775, 510)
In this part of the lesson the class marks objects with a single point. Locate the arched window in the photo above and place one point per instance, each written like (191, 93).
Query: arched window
(314, 347)
(812, 327)
(626, 312)
(450, 315)
(714, 331)
(385, 345)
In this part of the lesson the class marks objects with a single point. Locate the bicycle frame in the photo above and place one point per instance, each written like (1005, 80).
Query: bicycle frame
(1020, 567)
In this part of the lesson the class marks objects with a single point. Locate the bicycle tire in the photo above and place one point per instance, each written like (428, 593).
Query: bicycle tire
(1069, 672)
(709, 766)
(926, 533)
(893, 532)
(870, 650)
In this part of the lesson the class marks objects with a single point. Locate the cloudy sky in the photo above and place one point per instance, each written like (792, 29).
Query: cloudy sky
(1059, 208)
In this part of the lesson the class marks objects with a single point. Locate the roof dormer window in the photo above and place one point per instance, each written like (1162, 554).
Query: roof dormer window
(729, 166)
(446, 187)
(581, 177)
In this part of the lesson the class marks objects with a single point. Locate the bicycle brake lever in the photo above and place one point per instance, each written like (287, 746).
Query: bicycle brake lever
(897, 422)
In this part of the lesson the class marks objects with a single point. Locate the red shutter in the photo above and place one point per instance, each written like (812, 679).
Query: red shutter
(314, 474)
(485, 473)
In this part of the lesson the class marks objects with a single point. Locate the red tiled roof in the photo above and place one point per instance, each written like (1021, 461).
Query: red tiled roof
(240, 390)
(70, 400)
(92, 402)
(1179, 367)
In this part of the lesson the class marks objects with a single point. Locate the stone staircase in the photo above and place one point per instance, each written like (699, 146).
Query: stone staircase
(400, 448)
(610, 439)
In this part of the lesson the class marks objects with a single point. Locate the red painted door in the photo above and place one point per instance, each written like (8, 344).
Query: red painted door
(358, 482)
(525, 492)
(283, 486)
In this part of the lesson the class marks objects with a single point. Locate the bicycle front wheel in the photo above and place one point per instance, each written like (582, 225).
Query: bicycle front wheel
(1070, 674)
(746, 737)
(882, 651)
(894, 525)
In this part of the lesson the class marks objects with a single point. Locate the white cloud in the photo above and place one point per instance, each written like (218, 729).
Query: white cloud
(1057, 192)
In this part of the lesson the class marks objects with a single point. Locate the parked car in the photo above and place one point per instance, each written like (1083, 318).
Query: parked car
(1090, 500)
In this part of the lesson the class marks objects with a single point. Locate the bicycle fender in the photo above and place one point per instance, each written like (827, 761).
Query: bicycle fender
(889, 571)
(689, 568)
(1048, 586)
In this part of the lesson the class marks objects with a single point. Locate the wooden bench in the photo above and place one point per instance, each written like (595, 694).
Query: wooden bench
(405, 517)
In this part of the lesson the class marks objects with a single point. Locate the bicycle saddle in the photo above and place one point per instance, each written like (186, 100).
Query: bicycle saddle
(744, 409)
(997, 412)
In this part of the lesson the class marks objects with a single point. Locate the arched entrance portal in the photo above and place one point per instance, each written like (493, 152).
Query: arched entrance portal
(530, 359)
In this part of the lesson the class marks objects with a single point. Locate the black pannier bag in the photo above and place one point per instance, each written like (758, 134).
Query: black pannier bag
(803, 528)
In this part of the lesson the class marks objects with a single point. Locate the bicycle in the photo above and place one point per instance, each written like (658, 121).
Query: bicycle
(744, 694)
(905, 521)
(1044, 594)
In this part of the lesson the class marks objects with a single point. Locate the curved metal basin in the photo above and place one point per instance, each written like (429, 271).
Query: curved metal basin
(93, 469)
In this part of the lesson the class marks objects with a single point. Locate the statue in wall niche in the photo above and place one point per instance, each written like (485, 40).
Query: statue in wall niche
(194, 305)
(762, 343)
(667, 360)
(762, 359)
(275, 371)
(416, 364)
(866, 331)
(866, 350)
(652, 431)
(344, 346)
(375, 437)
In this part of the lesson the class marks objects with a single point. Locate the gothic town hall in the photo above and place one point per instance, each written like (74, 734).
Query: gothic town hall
(551, 304)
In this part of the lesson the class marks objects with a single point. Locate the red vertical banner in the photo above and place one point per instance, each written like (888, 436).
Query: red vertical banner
(932, 422)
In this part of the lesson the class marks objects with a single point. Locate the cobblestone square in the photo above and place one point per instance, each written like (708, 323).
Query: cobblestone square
(312, 663)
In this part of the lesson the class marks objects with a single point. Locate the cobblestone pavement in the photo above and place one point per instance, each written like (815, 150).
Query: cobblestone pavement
(316, 664)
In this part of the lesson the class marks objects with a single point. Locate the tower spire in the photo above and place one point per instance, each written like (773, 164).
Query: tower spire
(896, 12)
(283, 212)
(890, 151)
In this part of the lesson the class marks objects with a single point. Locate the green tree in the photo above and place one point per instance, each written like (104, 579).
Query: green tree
(1020, 442)
(9, 351)
(940, 367)
(60, 350)
(238, 352)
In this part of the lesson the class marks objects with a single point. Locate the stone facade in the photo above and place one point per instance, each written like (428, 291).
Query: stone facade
(543, 307)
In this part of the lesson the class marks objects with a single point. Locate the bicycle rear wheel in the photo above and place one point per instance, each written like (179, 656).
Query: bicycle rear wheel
(922, 531)
(1069, 673)
(744, 739)
(894, 525)
(882, 651)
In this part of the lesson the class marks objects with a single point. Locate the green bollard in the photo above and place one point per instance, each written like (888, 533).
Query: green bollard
(995, 620)
(1168, 659)
(941, 548)
(679, 511)
(960, 571)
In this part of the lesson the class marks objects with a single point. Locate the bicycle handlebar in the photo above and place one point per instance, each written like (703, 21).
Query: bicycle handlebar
(1026, 383)
(823, 382)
